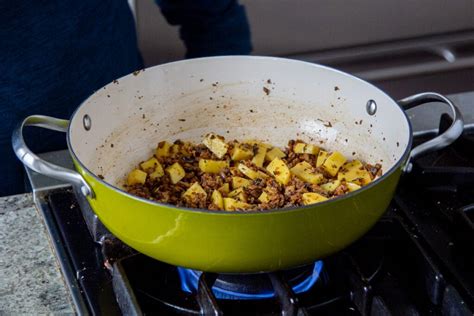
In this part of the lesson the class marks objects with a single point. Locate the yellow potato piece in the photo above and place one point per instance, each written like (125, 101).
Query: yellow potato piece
(137, 176)
(238, 182)
(176, 172)
(352, 165)
(216, 144)
(163, 149)
(150, 164)
(331, 185)
(263, 197)
(352, 186)
(312, 198)
(274, 153)
(333, 163)
(217, 199)
(258, 143)
(259, 158)
(238, 193)
(279, 170)
(304, 171)
(302, 148)
(252, 174)
(224, 188)
(212, 166)
(158, 173)
(195, 189)
(322, 156)
(350, 171)
(175, 149)
(232, 205)
(154, 166)
(241, 153)
(355, 172)
(363, 179)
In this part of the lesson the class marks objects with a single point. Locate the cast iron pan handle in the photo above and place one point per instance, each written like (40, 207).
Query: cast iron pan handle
(441, 141)
(32, 161)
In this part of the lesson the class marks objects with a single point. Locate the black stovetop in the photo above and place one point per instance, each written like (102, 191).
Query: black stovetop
(417, 260)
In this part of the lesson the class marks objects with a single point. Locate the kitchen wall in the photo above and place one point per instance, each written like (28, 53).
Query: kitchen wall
(290, 27)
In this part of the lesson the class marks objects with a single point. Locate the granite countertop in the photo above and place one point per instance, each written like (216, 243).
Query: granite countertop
(30, 279)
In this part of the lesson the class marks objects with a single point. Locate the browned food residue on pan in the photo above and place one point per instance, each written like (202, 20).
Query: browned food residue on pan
(246, 175)
(266, 90)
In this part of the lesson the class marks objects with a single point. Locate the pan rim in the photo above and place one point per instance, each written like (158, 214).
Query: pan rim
(394, 168)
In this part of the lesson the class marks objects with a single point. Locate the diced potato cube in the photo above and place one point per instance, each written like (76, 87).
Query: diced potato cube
(350, 171)
(212, 166)
(259, 158)
(302, 148)
(216, 144)
(279, 170)
(312, 198)
(195, 189)
(163, 149)
(354, 171)
(238, 182)
(154, 166)
(235, 193)
(364, 178)
(331, 185)
(239, 194)
(242, 152)
(149, 165)
(257, 142)
(252, 174)
(304, 171)
(274, 153)
(137, 176)
(175, 149)
(354, 164)
(232, 205)
(158, 173)
(352, 186)
(263, 197)
(176, 172)
(185, 148)
(322, 156)
(333, 163)
(224, 188)
(217, 199)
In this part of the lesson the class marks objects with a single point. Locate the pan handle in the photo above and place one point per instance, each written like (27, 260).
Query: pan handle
(441, 141)
(32, 161)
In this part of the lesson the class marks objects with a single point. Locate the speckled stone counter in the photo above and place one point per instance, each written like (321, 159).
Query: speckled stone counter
(30, 280)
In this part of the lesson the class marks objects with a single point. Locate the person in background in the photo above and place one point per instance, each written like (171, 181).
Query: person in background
(54, 54)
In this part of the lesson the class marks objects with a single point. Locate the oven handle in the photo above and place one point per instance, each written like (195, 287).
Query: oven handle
(441, 141)
(32, 161)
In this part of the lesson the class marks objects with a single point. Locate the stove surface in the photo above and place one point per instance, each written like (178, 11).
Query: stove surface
(417, 259)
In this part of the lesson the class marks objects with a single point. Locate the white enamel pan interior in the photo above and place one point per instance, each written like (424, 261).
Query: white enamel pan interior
(239, 97)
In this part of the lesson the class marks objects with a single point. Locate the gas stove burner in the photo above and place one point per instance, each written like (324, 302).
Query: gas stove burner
(252, 286)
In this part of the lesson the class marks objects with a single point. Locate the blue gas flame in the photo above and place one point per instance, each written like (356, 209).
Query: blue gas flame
(189, 282)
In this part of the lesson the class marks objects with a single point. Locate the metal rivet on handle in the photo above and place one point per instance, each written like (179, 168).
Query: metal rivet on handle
(86, 121)
(371, 107)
